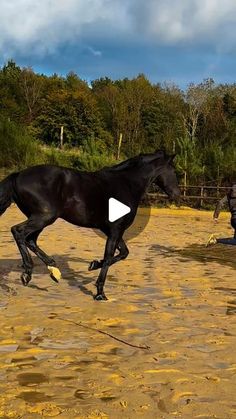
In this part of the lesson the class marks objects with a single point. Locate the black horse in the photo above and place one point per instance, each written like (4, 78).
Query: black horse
(44, 193)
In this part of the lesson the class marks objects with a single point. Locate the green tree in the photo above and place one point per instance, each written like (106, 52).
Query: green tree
(163, 118)
(75, 110)
(11, 104)
(31, 86)
(189, 161)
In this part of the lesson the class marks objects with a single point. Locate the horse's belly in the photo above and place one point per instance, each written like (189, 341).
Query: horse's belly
(84, 216)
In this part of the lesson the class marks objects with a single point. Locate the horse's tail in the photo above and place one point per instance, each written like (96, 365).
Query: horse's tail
(6, 192)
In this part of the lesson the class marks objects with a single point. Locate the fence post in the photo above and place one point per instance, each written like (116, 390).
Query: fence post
(202, 196)
(218, 182)
(119, 146)
(61, 136)
(185, 182)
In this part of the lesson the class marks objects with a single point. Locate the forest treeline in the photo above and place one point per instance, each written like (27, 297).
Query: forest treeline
(116, 119)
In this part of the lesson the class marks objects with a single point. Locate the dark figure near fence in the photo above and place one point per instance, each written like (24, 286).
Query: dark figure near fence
(229, 199)
(45, 193)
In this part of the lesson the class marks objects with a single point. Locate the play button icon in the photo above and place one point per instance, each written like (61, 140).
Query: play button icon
(116, 210)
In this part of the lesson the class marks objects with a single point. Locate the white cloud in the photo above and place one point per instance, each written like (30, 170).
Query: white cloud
(41, 26)
(38, 27)
(95, 52)
(187, 21)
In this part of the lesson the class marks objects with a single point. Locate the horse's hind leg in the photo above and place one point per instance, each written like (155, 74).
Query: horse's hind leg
(123, 253)
(21, 232)
(18, 234)
(31, 242)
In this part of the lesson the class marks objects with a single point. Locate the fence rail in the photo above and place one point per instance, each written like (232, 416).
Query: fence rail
(196, 194)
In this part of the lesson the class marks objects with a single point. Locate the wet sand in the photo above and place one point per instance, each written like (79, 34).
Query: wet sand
(172, 294)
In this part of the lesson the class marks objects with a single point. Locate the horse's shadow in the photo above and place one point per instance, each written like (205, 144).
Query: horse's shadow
(74, 277)
(222, 254)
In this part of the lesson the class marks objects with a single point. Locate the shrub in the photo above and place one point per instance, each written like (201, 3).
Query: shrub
(17, 148)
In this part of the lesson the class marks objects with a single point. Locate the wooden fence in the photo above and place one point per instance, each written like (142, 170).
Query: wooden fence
(195, 195)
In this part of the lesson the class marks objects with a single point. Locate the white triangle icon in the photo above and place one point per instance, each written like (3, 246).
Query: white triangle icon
(117, 210)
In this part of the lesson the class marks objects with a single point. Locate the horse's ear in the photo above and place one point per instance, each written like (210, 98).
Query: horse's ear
(160, 153)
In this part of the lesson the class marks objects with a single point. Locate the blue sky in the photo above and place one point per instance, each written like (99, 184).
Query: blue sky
(179, 41)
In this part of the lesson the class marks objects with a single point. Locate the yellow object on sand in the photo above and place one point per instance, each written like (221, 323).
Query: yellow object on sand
(211, 241)
(55, 272)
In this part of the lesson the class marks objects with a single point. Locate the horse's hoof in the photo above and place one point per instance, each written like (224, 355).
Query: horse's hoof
(91, 266)
(25, 278)
(95, 264)
(55, 274)
(100, 297)
(54, 279)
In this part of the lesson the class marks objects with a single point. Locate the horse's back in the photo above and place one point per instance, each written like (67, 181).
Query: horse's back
(78, 197)
(60, 191)
(40, 189)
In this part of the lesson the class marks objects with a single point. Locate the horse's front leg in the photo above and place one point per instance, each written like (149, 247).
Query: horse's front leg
(107, 261)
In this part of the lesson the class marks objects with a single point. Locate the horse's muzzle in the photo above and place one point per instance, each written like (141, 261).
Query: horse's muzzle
(175, 196)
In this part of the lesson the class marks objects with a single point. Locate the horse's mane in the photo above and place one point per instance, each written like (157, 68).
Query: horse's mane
(135, 161)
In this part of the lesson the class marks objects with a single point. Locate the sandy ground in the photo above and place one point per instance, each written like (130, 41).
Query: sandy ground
(171, 294)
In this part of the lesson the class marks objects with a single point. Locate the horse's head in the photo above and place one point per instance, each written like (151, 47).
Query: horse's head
(166, 177)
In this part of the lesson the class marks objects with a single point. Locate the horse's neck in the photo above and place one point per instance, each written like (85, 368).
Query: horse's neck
(141, 178)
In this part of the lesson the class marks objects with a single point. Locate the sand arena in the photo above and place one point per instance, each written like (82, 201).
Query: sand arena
(171, 294)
